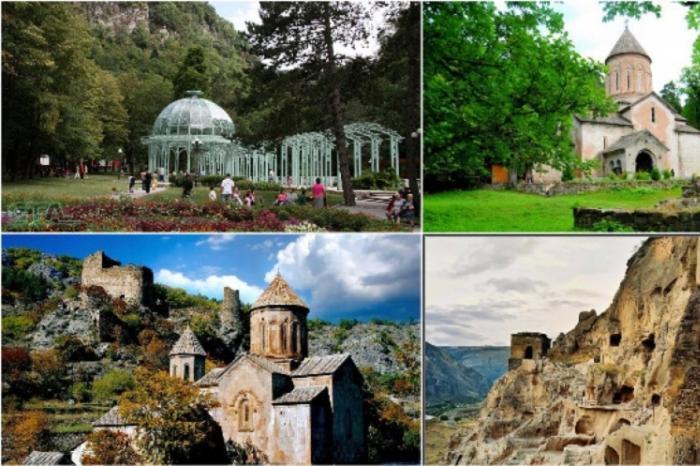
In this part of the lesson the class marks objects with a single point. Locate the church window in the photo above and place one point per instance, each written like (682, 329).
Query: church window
(605, 142)
(653, 115)
(295, 335)
(617, 81)
(629, 81)
(283, 335)
(174, 370)
(245, 415)
(187, 372)
(348, 424)
(263, 335)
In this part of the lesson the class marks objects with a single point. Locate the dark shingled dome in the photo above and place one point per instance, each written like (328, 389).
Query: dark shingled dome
(627, 43)
(279, 293)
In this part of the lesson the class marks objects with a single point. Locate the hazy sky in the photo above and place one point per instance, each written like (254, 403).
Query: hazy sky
(338, 275)
(479, 290)
(238, 12)
(667, 39)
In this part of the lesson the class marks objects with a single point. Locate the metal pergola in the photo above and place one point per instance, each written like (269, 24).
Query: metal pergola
(300, 160)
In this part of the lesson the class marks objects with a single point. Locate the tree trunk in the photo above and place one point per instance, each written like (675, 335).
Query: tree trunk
(414, 113)
(337, 111)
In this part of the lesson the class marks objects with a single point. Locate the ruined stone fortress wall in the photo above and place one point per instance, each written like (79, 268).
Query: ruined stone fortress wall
(134, 284)
(230, 314)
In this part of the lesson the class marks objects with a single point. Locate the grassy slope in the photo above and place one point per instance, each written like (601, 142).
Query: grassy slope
(437, 437)
(508, 211)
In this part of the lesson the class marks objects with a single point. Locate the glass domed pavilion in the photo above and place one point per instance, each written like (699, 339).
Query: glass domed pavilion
(195, 135)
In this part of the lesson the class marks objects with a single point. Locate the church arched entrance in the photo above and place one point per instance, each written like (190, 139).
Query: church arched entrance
(644, 162)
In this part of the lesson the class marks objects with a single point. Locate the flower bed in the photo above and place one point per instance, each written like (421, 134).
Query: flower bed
(184, 215)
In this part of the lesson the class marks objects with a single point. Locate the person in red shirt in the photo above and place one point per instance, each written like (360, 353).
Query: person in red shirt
(319, 193)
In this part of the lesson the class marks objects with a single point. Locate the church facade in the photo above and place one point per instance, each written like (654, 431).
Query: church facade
(645, 132)
(292, 408)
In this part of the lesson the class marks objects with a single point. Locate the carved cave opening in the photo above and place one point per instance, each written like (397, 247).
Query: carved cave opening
(611, 456)
(648, 343)
(584, 426)
(528, 353)
(655, 399)
(623, 395)
(615, 339)
(631, 453)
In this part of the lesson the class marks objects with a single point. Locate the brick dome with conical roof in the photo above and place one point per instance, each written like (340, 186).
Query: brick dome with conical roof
(629, 70)
(278, 323)
(188, 344)
(627, 44)
(279, 293)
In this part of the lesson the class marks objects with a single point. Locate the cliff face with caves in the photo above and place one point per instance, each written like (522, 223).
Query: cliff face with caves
(622, 387)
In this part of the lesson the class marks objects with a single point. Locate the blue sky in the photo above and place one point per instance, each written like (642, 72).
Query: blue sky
(338, 275)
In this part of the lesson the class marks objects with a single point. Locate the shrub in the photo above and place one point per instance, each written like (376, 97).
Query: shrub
(80, 391)
(655, 174)
(72, 349)
(316, 324)
(111, 385)
(16, 326)
(108, 447)
(385, 179)
(49, 374)
(27, 432)
(71, 292)
(339, 335)
(642, 176)
(347, 324)
(22, 258)
(666, 174)
(611, 226)
(132, 320)
(31, 288)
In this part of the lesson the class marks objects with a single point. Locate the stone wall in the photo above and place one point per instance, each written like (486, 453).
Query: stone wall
(134, 284)
(230, 315)
(586, 218)
(575, 187)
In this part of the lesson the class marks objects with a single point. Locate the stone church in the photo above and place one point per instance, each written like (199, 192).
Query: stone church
(644, 133)
(293, 408)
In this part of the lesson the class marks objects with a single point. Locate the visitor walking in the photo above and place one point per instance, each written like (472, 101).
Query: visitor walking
(227, 188)
(212, 193)
(237, 196)
(132, 182)
(390, 207)
(408, 210)
(398, 204)
(147, 179)
(187, 186)
(319, 193)
(252, 196)
(302, 199)
(271, 176)
(249, 199)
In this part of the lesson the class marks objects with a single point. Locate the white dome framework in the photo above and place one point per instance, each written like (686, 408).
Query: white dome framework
(195, 135)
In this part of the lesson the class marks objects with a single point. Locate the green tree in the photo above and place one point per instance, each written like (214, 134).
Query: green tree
(306, 35)
(173, 420)
(111, 385)
(501, 87)
(672, 94)
(193, 73)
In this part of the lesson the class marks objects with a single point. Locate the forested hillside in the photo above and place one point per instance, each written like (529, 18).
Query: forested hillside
(83, 80)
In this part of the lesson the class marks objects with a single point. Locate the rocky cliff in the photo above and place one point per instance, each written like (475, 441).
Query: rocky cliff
(447, 382)
(623, 387)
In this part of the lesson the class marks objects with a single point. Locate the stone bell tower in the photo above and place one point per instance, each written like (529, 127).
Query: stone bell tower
(629, 70)
(278, 325)
(187, 357)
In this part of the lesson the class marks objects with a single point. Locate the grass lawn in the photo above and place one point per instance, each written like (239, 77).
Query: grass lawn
(486, 210)
(64, 189)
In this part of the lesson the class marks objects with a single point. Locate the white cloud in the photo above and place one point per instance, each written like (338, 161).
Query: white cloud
(479, 290)
(216, 242)
(667, 39)
(346, 270)
(211, 286)
(245, 12)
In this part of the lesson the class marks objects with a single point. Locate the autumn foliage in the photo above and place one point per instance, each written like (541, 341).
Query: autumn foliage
(108, 447)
